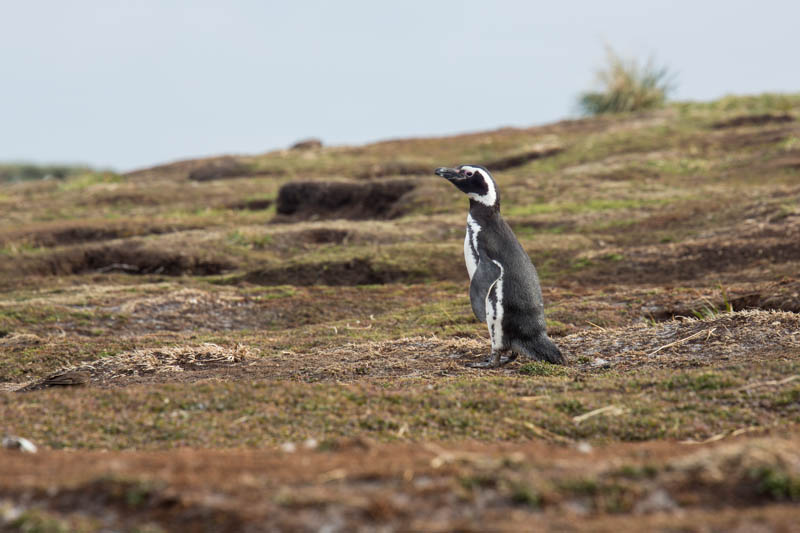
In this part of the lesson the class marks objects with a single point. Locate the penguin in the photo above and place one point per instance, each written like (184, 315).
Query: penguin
(504, 288)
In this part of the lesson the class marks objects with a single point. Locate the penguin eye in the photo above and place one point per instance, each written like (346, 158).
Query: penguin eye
(469, 173)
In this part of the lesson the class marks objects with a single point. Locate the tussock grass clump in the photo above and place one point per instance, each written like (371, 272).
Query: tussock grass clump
(627, 85)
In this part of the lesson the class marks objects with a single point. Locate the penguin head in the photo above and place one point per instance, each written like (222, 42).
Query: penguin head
(474, 181)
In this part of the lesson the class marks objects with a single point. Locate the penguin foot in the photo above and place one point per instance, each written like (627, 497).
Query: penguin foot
(505, 360)
(494, 361)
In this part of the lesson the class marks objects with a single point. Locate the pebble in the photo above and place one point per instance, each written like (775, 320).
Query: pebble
(584, 447)
(658, 500)
(11, 442)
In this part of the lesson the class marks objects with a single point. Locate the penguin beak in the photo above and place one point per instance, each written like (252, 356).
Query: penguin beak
(448, 173)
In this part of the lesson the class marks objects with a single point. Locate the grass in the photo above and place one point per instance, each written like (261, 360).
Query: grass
(706, 381)
(624, 225)
(80, 182)
(625, 193)
(522, 494)
(776, 484)
(627, 85)
(539, 368)
(711, 310)
(272, 412)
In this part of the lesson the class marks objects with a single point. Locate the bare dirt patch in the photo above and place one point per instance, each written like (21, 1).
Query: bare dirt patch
(132, 257)
(351, 200)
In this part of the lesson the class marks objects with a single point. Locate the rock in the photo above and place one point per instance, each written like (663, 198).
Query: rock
(288, 447)
(12, 442)
(9, 512)
(65, 378)
(599, 362)
(584, 447)
(656, 501)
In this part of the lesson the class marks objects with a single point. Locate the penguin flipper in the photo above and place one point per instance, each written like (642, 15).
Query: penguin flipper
(486, 273)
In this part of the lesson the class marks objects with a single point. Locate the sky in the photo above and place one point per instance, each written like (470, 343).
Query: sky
(131, 84)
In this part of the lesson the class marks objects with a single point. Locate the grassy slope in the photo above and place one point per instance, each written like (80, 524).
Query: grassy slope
(639, 218)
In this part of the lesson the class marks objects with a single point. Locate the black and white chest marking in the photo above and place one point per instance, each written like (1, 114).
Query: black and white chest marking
(494, 310)
(471, 245)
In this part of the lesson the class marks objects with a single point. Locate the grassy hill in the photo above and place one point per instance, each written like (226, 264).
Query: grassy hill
(232, 305)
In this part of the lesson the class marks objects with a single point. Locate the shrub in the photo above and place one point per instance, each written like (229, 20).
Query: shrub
(627, 86)
(10, 172)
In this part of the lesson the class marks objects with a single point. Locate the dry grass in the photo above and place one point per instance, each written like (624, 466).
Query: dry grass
(147, 362)
(689, 341)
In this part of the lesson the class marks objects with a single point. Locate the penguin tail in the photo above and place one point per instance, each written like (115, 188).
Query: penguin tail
(544, 349)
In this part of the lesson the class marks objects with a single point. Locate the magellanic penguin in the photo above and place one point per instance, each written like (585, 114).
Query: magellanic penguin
(504, 287)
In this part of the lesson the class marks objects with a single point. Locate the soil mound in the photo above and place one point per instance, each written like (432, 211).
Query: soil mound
(252, 205)
(307, 144)
(520, 158)
(752, 120)
(50, 234)
(306, 200)
(353, 272)
(132, 258)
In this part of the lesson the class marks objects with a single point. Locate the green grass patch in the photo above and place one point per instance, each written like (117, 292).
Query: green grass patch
(543, 369)
(84, 181)
(706, 381)
(775, 484)
(523, 494)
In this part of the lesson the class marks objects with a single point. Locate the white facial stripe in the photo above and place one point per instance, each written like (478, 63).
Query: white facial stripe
(491, 196)
(471, 245)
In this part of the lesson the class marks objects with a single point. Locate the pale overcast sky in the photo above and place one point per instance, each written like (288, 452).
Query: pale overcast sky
(128, 84)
